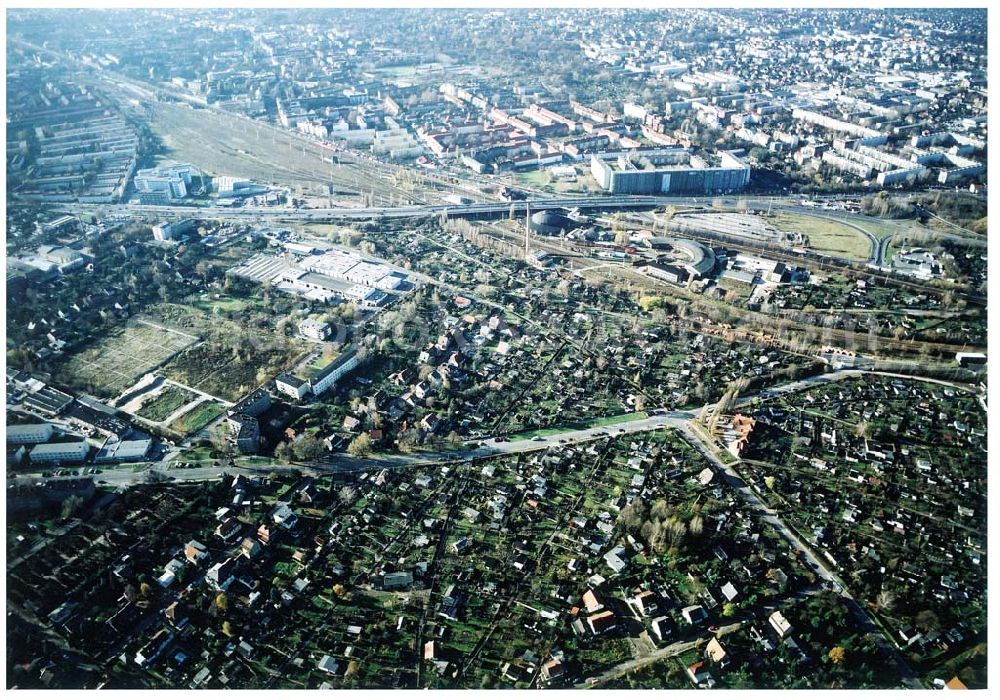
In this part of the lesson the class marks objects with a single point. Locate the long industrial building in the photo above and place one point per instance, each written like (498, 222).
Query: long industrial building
(673, 171)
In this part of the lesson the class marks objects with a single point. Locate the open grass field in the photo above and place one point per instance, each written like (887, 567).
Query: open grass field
(542, 180)
(319, 363)
(580, 425)
(197, 418)
(533, 178)
(583, 184)
(825, 235)
(114, 363)
(891, 250)
(168, 400)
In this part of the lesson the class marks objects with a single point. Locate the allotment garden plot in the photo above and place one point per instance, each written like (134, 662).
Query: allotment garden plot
(886, 478)
(197, 418)
(114, 363)
(597, 554)
(159, 407)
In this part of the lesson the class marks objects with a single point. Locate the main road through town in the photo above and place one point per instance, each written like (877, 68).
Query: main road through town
(343, 463)
(340, 463)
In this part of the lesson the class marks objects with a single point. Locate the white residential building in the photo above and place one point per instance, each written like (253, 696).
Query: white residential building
(781, 626)
(29, 433)
(313, 329)
(166, 231)
(334, 371)
(291, 385)
(60, 452)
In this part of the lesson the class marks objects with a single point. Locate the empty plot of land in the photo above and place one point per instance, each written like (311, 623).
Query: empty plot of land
(232, 359)
(542, 180)
(114, 363)
(229, 365)
(224, 145)
(743, 225)
(197, 418)
(157, 408)
(215, 303)
(826, 235)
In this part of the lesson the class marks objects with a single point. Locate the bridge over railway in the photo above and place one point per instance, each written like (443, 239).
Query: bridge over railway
(475, 210)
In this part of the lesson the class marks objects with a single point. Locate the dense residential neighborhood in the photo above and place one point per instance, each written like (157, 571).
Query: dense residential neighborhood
(511, 348)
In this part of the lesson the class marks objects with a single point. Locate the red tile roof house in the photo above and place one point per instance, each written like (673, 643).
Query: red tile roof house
(591, 602)
(699, 676)
(601, 623)
(195, 551)
(552, 670)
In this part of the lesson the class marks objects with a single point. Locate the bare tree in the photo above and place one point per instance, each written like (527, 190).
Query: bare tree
(660, 510)
(633, 514)
(886, 600)
(696, 526)
(361, 446)
(347, 495)
(675, 532)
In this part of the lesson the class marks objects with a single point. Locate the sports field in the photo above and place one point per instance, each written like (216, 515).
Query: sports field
(115, 362)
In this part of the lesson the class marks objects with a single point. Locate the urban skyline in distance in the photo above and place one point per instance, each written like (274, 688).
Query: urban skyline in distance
(499, 348)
